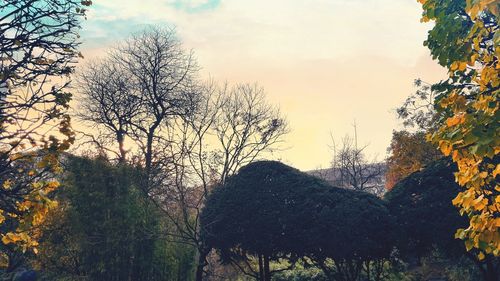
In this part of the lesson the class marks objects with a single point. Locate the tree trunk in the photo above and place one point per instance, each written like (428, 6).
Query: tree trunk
(267, 272)
(492, 272)
(202, 262)
(261, 268)
(149, 152)
(121, 139)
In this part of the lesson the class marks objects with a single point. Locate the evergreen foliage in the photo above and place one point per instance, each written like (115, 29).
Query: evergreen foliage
(427, 220)
(274, 210)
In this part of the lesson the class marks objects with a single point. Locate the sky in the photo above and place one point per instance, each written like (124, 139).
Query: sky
(326, 63)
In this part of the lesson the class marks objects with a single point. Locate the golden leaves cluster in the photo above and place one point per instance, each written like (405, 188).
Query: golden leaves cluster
(470, 128)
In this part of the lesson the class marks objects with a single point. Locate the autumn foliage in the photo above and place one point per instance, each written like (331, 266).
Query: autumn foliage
(38, 49)
(410, 152)
(465, 39)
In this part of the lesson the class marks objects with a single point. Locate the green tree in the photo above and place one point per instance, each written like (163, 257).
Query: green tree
(415, 201)
(108, 229)
(352, 235)
(273, 212)
(261, 229)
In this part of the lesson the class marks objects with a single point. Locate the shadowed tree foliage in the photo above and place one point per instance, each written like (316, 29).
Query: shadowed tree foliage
(422, 204)
(351, 237)
(273, 212)
(255, 215)
(427, 219)
(110, 229)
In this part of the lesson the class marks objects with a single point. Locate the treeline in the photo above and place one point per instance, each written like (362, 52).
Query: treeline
(271, 218)
(142, 107)
(267, 222)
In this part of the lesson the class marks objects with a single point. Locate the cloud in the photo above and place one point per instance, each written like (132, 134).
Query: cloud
(193, 6)
(327, 62)
(277, 29)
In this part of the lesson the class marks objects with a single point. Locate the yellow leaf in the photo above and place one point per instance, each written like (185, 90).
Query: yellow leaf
(480, 256)
(445, 148)
(456, 201)
(10, 238)
(7, 184)
(473, 59)
(455, 120)
(468, 245)
(462, 66)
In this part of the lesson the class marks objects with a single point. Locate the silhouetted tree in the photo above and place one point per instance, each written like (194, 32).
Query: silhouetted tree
(110, 102)
(202, 135)
(271, 212)
(427, 220)
(352, 237)
(138, 91)
(351, 168)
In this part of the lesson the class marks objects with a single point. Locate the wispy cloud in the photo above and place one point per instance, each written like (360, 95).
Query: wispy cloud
(283, 28)
(194, 6)
(326, 62)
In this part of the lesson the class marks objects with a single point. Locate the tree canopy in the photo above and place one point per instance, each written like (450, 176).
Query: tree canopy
(274, 210)
(426, 219)
(465, 39)
(425, 216)
(410, 152)
(110, 228)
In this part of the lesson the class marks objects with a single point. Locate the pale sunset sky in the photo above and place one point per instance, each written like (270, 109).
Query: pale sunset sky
(326, 63)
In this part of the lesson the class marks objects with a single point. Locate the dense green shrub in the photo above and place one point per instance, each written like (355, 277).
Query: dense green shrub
(425, 216)
(273, 210)
(427, 222)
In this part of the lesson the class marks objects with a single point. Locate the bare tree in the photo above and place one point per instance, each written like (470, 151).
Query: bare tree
(351, 168)
(139, 90)
(247, 127)
(163, 72)
(189, 136)
(230, 128)
(108, 99)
